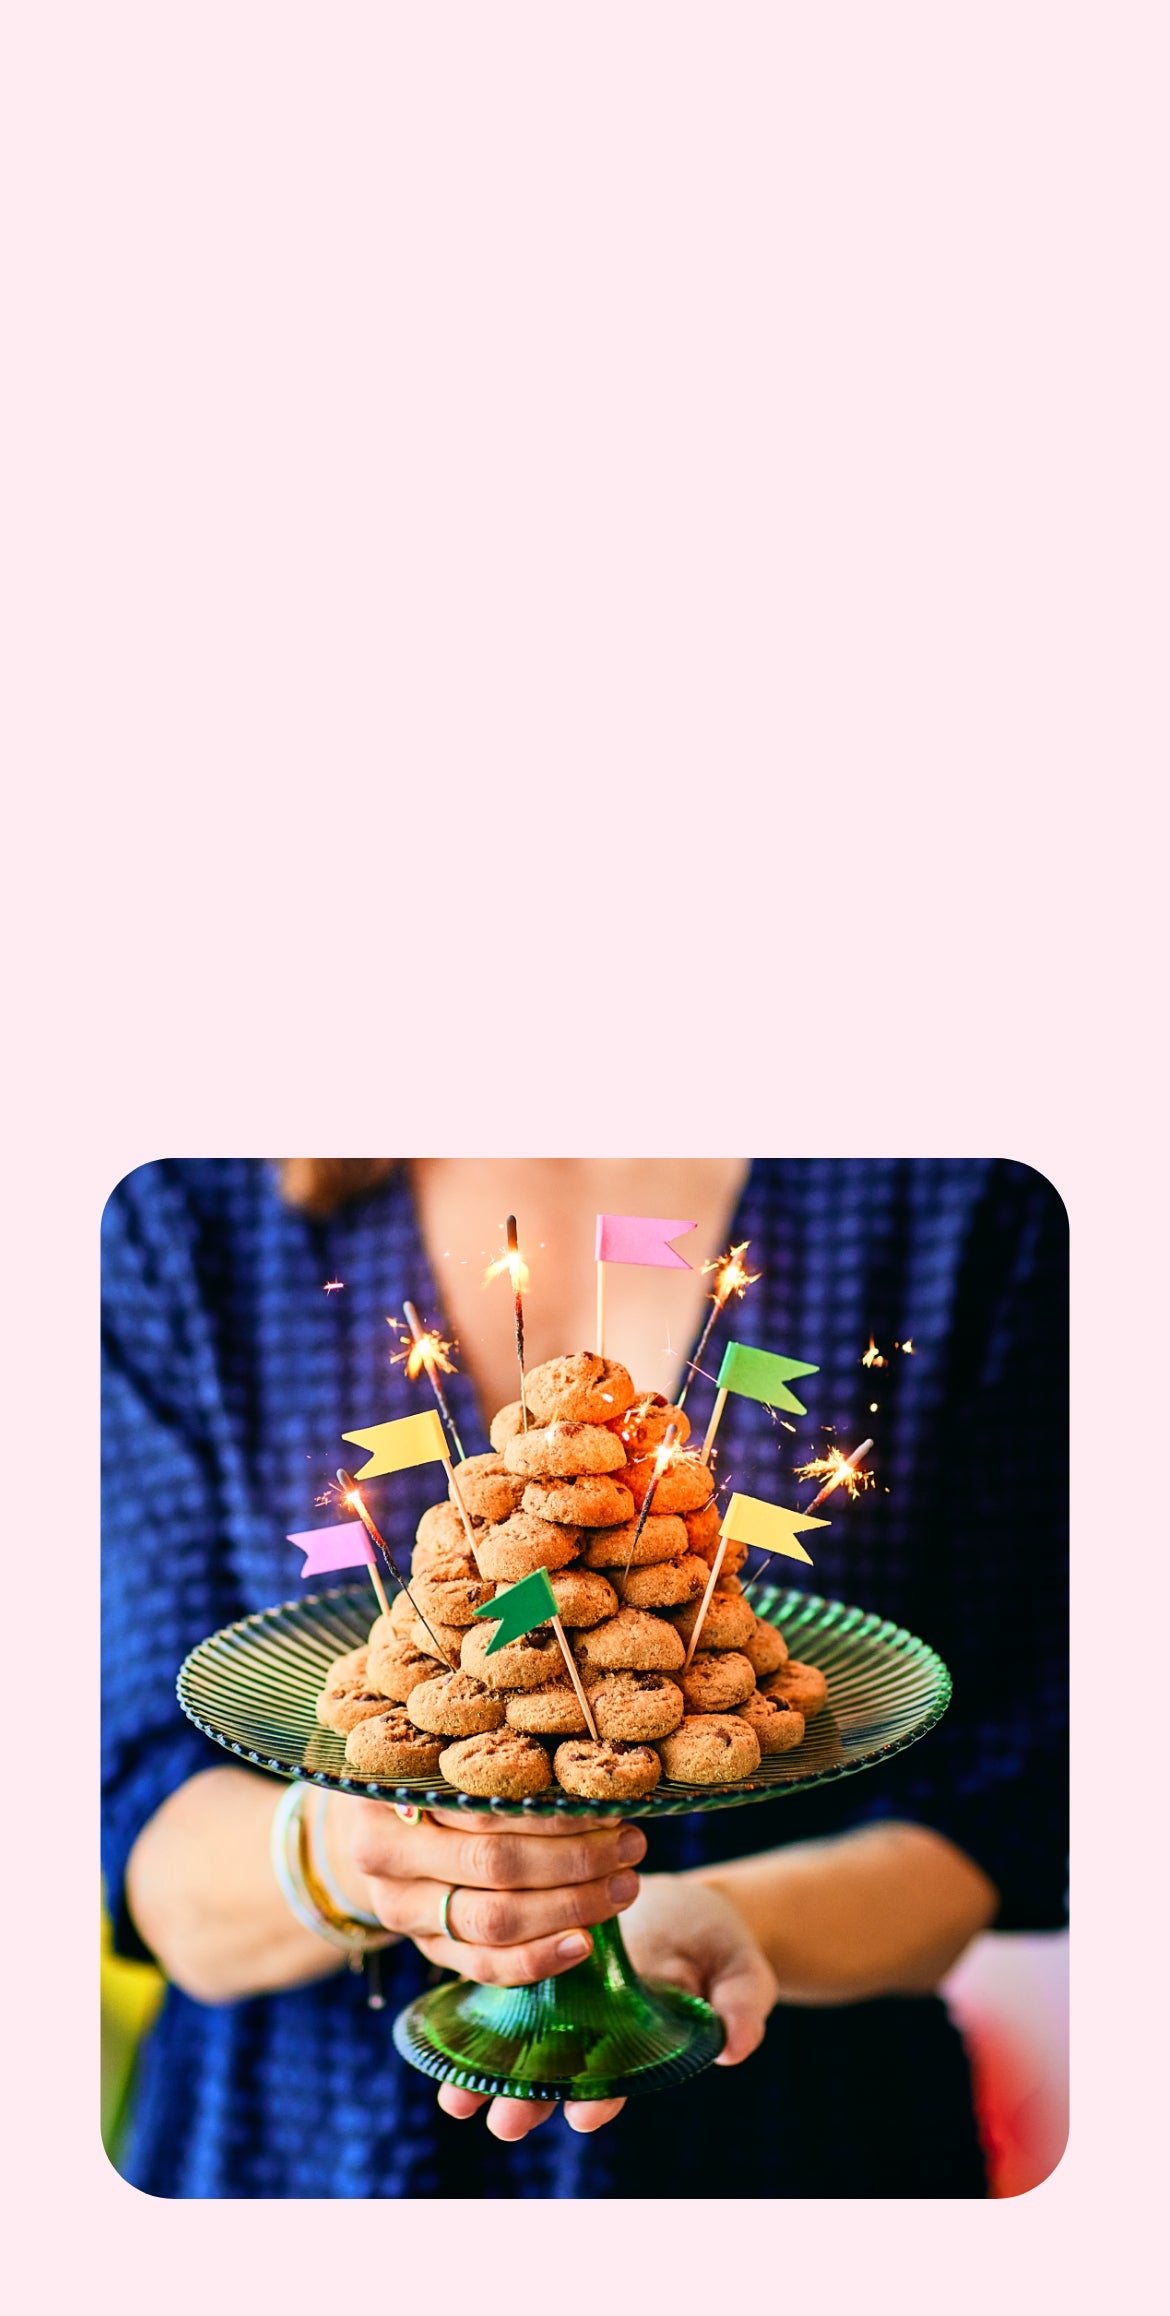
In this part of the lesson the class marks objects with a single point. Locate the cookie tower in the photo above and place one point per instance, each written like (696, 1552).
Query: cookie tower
(565, 1495)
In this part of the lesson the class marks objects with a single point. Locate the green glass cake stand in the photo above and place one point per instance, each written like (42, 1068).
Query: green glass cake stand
(599, 2031)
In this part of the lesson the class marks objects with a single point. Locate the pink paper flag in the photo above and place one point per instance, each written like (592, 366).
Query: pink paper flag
(344, 1545)
(641, 1238)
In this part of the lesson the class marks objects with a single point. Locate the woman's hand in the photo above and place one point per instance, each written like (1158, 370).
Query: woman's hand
(524, 1894)
(681, 1931)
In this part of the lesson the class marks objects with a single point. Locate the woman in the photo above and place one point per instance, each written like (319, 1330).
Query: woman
(818, 1924)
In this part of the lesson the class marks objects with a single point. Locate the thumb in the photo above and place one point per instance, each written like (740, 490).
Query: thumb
(742, 1991)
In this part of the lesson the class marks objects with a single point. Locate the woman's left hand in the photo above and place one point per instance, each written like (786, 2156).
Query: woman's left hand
(681, 1931)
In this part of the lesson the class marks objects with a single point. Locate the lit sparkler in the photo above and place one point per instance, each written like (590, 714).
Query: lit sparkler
(332, 1286)
(352, 1496)
(873, 1357)
(665, 1454)
(731, 1278)
(513, 1262)
(837, 1471)
(426, 1352)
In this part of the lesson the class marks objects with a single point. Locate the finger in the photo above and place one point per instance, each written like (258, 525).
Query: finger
(515, 2118)
(485, 1821)
(499, 1917)
(459, 2103)
(385, 1849)
(508, 1965)
(743, 1993)
(590, 2114)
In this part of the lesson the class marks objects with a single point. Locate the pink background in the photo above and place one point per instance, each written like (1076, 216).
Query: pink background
(583, 578)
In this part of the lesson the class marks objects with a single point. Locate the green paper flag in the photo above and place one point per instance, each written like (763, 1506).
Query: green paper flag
(762, 1375)
(520, 1609)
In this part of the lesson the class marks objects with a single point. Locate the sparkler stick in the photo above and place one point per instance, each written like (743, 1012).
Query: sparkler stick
(661, 1460)
(426, 1353)
(517, 1269)
(353, 1497)
(513, 1261)
(846, 1465)
(731, 1278)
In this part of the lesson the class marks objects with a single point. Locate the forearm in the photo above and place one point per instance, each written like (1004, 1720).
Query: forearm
(203, 1894)
(885, 1909)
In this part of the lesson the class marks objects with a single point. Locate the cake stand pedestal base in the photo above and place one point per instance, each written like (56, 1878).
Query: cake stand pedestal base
(596, 2032)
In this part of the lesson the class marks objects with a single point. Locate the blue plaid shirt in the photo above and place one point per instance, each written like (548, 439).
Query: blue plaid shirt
(229, 1378)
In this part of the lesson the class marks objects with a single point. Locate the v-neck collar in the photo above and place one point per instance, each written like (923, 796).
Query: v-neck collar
(461, 1393)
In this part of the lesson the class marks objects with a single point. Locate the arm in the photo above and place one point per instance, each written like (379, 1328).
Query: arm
(202, 1891)
(884, 1909)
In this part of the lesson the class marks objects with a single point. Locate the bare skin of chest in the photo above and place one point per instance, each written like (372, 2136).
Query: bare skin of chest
(651, 1316)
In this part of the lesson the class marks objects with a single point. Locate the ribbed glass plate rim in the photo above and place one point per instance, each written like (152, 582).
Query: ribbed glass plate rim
(807, 1612)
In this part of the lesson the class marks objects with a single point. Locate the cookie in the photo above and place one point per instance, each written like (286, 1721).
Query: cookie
(606, 1772)
(710, 1749)
(456, 1705)
(522, 1664)
(523, 1543)
(400, 1617)
(596, 1501)
(716, 1680)
(582, 1389)
(451, 1598)
(506, 1424)
(347, 1696)
(390, 1746)
(503, 1762)
(646, 1421)
(440, 1525)
(765, 1648)
(728, 1624)
(666, 1584)
(564, 1451)
(397, 1665)
(441, 1642)
(685, 1486)
(488, 1491)
(801, 1686)
(633, 1707)
(776, 1725)
(663, 1538)
(703, 1533)
(582, 1597)
(631, 1641)
(552, 1711)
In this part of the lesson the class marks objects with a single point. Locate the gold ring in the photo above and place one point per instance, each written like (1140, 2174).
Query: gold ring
(445, 1930)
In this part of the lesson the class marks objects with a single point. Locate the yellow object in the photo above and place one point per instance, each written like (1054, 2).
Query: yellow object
(394, 1447)
(770, 1527)
(131, 1993)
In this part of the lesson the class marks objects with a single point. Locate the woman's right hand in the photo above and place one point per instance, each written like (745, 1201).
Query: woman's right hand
(524, 1898)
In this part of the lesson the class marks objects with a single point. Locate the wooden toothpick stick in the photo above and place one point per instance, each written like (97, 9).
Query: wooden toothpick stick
(464, 1514)
(575, 1677)
(713, 1426)
(705, 1602)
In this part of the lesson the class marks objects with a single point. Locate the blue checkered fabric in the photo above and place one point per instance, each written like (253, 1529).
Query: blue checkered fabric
(229, 1379)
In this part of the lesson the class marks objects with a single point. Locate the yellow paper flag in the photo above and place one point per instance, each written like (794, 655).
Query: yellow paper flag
(394, 1447)
(770, 1527)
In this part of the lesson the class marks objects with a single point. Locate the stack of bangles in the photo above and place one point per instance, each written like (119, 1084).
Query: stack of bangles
(309, 1889)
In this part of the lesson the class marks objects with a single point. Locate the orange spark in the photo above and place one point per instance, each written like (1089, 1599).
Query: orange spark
(732, 1276)
(837, 1470)
(418, 1351)
(908, 1345)
(873, 1357)
(513, 1262)
(331, 1286)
